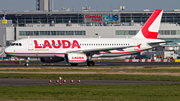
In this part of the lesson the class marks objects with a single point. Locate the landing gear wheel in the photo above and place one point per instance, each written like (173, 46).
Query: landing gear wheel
(90, 63)
(74, 64)
(26, 64)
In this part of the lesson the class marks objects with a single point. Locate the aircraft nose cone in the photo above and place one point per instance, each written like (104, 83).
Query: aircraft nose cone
(7, 50)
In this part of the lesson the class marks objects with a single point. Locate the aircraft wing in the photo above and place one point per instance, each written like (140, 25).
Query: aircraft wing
(154, 43)
(94, 50)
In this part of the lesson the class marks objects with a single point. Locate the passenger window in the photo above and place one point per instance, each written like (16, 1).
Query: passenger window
(20, 44)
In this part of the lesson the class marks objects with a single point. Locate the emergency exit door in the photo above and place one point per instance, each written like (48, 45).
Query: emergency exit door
(30, 45)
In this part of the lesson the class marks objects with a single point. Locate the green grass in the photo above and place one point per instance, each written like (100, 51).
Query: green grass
(96, 70)
(152, 70)
(93, 76)
(166, 92)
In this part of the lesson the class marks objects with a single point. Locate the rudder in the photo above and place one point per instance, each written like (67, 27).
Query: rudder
(151, 27)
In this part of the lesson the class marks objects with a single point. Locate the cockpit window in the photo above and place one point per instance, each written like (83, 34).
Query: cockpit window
(16, 44)
(12, 44)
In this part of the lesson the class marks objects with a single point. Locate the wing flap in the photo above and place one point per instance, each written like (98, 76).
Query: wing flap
(154, 43)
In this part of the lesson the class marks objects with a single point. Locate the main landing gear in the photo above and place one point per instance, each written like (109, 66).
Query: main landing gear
(90, 63)
(27, 62)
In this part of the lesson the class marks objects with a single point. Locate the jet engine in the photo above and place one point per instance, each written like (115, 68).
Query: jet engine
(75, 57)
(51, 60)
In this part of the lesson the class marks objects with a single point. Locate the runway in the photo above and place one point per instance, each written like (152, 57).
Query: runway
(64, 64)
(28, 82)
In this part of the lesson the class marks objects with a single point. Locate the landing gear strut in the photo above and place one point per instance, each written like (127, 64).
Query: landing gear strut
(27, 62)
(89, 62)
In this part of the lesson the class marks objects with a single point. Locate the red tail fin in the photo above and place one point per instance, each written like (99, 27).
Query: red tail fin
(151, 27)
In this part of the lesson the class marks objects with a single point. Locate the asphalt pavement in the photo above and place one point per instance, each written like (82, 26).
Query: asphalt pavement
(28, 82)
(64, 64)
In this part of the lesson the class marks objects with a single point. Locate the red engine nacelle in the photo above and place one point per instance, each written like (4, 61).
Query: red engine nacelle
(51, 60)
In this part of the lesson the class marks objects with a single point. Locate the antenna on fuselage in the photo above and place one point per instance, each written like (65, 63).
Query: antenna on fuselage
(28, 36)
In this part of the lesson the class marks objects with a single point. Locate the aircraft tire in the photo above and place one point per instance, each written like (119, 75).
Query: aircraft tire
(74, 64)
(26, 64)
(90, 63)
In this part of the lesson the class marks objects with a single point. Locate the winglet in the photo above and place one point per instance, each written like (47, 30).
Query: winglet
(151, 27)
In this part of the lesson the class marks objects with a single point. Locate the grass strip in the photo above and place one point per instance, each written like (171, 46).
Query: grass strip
(163, 92)
(93, 76)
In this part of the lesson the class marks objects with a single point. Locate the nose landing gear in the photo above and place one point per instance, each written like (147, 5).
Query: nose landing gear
(27, 62)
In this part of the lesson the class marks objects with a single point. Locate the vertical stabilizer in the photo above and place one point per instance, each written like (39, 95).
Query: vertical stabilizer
(151, 27)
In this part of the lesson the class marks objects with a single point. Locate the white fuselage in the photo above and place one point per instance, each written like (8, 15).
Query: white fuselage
(58, 47)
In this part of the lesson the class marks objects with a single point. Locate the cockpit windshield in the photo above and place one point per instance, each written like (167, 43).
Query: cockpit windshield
(16, 44)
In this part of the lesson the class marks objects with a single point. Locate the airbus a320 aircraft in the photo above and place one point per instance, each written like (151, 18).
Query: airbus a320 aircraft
(79, 50)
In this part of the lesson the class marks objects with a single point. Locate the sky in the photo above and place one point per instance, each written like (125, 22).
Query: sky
(99, 5)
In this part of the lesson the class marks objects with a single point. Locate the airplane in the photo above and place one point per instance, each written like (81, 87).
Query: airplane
(79, 50)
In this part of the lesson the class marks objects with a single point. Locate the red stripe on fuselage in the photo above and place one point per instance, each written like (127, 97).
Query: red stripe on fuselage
(34, 53)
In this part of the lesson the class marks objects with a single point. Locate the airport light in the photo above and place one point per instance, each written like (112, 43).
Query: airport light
(57, 81)
(71, 81)
(60, 80)
(64, 81)
(78, 81)
(50, 82)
